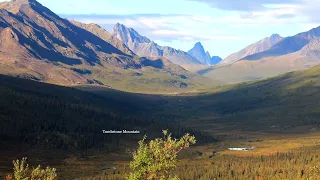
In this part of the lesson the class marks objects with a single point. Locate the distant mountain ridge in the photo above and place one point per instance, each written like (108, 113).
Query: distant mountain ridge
(203, 56)
(260, 46)
(294, 53)
(143, 46)
(288, 45)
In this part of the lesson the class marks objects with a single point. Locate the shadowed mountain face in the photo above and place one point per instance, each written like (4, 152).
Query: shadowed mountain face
(260, 46)
(215, 60)
(143, 46)
(202, 56)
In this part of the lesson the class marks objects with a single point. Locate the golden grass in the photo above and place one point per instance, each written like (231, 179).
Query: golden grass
(276, 144)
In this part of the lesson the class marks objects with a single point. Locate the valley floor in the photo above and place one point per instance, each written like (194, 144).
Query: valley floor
(273, 157)
(279, 117)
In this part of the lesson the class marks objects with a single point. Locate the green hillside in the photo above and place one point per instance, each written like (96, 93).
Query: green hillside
(286, 103)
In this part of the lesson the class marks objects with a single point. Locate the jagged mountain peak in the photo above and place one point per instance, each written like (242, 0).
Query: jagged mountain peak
(143, 46)
(15, 6)
(201, 55)
(198, 44)
(128, 35)
(275, 35)
(274, 38)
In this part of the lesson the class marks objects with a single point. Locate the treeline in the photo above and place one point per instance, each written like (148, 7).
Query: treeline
(298, 164)
(69, 119)
(291, 165)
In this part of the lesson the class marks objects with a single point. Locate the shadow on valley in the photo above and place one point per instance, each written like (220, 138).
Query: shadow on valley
(48, 116)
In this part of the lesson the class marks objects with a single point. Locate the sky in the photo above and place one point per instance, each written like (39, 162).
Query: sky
(222, 26)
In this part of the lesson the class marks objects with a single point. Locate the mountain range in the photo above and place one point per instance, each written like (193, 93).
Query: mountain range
(145, 47)
(203, 56)
(38, 44)
(269, 57)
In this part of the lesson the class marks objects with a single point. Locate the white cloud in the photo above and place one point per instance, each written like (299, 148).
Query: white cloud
(246, 5)
(154, 23)
(165, 27)
(190, 36)
(169, 32)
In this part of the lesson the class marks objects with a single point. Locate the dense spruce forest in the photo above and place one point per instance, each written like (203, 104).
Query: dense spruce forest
(40, 115)
(297, 164)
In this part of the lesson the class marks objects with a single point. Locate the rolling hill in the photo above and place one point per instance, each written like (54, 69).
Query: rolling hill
(287, 103)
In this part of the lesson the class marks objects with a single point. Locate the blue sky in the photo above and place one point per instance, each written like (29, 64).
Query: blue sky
(222, 26)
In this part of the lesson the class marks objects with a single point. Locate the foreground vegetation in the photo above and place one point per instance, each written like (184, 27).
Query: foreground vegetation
(296, 164)
(23, 172)
(158, 158)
